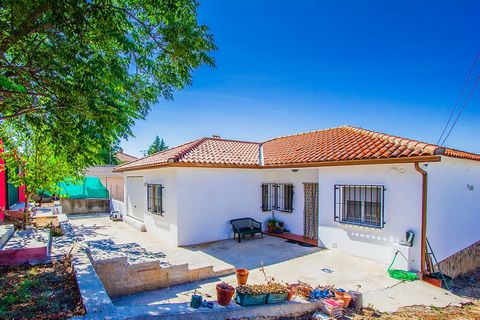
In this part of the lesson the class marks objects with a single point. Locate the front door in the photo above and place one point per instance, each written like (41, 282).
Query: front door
(136, 197)
(310, 211)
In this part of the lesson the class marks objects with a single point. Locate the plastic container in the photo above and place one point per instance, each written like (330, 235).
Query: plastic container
(276, 297)
(345, 297)
(250, 299)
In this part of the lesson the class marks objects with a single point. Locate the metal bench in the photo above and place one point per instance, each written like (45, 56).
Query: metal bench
(244, 226)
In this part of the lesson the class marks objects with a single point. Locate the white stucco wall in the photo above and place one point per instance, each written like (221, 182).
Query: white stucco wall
(402, 211)
(166, 226)
(453, 221)
(209, 197)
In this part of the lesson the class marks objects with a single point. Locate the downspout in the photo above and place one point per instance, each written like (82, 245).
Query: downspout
(424, 217)
(260, 155)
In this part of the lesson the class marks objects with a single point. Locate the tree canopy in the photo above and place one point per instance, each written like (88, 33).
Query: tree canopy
(157, 146)
(79, 73)
(32, 159)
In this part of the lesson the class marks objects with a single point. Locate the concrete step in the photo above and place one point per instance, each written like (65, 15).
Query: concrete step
(6, 232)
(31, 245)
(141, 269)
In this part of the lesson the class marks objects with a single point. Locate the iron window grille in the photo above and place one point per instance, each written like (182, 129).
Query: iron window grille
(277, 196)
(155, 198)
(360, 205)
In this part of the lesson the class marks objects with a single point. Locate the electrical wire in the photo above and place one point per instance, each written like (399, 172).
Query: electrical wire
(461, 110)
(459, 97)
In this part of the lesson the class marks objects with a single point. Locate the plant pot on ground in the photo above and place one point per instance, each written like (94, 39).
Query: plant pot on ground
(242, 276)
(271, 223)
(224, 293)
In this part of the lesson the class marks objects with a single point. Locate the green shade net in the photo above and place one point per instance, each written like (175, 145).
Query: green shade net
(89, 187)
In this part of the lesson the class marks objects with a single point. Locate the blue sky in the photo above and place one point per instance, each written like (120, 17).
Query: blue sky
(285, 67)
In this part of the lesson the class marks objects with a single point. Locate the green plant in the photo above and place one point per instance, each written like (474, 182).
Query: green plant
(225, 286)
(272, 222)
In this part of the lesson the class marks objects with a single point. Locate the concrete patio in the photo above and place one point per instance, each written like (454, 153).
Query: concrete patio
(287, 262)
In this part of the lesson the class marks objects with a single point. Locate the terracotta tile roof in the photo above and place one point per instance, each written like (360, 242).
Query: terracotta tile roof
(204, 151)
(123, 157)
(341, 144)
(344, 143)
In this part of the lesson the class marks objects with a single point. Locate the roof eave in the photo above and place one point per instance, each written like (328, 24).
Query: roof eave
(357, 162)
(290, 165)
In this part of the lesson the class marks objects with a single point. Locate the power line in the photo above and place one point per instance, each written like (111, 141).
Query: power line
(459, 98)
(461, 110)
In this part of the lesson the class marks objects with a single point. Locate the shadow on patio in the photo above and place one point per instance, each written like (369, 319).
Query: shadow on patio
(252, 253)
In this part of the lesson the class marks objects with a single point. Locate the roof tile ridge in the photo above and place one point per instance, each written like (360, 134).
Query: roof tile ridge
(184, 152)
(306, 132)
(231, 140)
(156, 153)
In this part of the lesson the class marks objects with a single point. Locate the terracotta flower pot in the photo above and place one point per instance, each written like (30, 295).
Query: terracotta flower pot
(291, 294)
(242, 276)
(224, 296)
(271, 229)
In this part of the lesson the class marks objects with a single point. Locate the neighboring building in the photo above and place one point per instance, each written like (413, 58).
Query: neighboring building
(112, 181)
(351, 189)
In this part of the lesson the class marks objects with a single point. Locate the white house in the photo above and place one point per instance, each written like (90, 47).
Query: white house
(351, 189)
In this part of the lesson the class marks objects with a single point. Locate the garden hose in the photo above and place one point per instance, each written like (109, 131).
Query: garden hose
(401, 274)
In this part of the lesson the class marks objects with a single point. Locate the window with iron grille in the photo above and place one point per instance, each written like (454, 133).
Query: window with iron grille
(277, 196)
(154, 198)
(360, 205)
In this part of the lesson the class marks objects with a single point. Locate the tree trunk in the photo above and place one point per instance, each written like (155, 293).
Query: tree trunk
(41, 198)
(26, 215)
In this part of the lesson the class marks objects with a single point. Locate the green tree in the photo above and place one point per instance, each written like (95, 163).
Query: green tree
(107, 155)
(35, 163)
(157, 146)
(85, 71)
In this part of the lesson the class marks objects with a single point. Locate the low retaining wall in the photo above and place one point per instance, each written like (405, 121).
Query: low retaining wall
(72, 206)
(119, 277)
(18, 256)
(463, 261)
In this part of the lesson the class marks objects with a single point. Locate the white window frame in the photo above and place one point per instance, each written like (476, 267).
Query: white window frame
(155, 200)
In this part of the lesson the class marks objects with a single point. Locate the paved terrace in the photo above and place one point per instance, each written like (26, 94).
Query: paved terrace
(285, 261)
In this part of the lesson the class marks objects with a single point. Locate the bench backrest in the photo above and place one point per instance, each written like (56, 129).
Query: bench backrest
(242, 223)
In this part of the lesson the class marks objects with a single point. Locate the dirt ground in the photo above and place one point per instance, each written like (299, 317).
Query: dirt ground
(47, 291)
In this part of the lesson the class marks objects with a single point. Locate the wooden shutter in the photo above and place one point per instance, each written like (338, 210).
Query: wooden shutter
(149, 198)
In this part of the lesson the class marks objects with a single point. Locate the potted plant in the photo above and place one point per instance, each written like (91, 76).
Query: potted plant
(251, 294)
(277, 293)
(224, 293)
(242, 276)
(271, 224)
(279, 227)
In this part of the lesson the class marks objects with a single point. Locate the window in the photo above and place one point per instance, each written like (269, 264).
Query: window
(154, 198)
(360, 205)
(277, 197)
